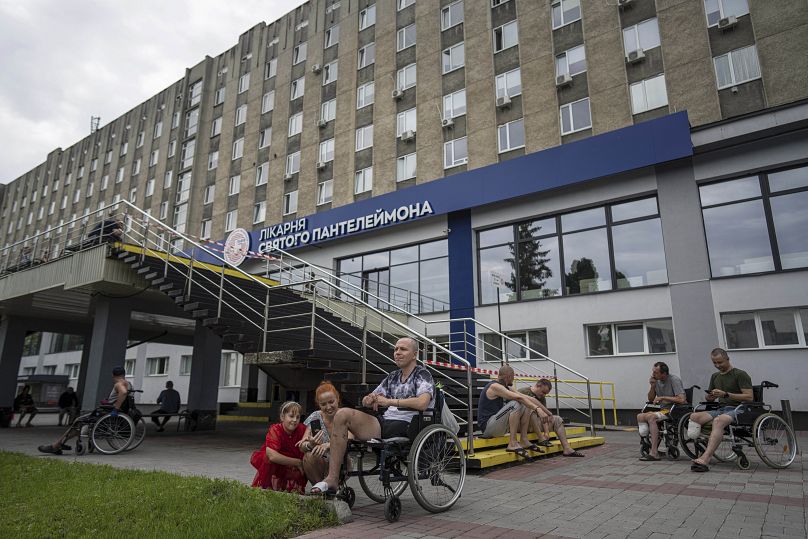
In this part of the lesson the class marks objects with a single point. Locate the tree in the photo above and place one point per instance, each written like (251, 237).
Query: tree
(528, 261)
(582, 269)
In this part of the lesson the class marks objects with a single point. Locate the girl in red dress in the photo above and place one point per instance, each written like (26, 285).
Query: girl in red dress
(280, 461)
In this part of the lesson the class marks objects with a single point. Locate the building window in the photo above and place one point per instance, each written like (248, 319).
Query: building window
(632, 338)
(642, 36)
(530, 344)
(218, 97)
(454, 58)
(163, 210)
(293, 163)
(331, 36)
(509, 84)
(565, 12)
(405, 37)
(180, 217)
(325, 192)
(72, 370)
(271, 68)
(230, 370)
(149, 187)
(737, 214)
(772, 328)
(298, 88)
(511, 135)
(216, 127)
(238, 148)
(299, 53)
(185, 365)
(451, 15)
(414, 278)
(328, 110)
(187, 154)
(244, 83)
(406, 77)
(156, 366)
(230, 220)
(213, 160)
(454, 104)
(295, 124)
(241, 114)
(720, 9)
(575, 116)
(136, 167)
(264, 138)
(528, 255)
(405, 167)
(737, 67)
(210, 192)
(262, 174)
(363, 180)
(172, 148)
(330, 72)
(364, 137)
(167, 179)
(571, 61)
(367, 55)
(290, 203)
(195, 93)
(406, 121)
(259, 212)
(367, 17)
(649, 94)
(207, 227)
(327, 151)
(191, 122)
(506, 36)
(364, 95)
(234, 185)
(141, 138)
(455, 152)
(268, 102)
(183, 187)
(404, 3)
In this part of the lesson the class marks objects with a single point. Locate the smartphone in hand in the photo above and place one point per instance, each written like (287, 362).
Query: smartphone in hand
(316, 427)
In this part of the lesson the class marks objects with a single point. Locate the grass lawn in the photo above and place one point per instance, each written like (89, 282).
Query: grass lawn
(43, 497)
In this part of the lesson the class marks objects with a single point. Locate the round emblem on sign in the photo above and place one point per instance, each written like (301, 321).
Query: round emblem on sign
(236, 247)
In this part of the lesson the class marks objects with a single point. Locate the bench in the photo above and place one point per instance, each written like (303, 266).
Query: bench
(183, 415)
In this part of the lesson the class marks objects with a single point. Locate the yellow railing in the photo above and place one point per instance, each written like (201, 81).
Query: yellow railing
(596, 396)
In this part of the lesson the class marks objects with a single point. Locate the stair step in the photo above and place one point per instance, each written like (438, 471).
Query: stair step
(166, 287)
(494, 457)
(502, 441)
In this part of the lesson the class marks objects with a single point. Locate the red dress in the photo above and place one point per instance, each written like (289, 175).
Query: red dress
(276, 476)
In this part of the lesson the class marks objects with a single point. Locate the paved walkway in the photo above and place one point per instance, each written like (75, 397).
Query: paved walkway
(609, 494)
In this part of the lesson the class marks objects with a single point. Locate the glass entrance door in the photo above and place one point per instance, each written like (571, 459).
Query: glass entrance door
(376, 282)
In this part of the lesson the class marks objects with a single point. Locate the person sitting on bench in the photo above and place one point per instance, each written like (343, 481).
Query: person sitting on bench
(109, 230)
(169, 401)
(542, 422)
(410, 386)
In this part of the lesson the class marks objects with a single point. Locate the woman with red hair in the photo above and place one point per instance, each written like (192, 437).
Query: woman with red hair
(317, 440)
(279, 461)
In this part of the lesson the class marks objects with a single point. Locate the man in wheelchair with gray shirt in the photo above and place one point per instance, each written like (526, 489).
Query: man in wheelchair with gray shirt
(665, 391)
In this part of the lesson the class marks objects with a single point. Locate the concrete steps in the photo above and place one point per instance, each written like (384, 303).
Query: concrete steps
(490, 452)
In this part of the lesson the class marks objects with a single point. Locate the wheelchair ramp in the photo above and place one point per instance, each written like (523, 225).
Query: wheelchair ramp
(490, 452)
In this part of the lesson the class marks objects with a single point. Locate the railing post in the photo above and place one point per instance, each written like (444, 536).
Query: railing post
(221, 292)
(470, 424)
(313, 318)
(190, 278)
(555, 386)
(365, 350)
(145, 243)
(33, 251)
(602, 406)
(591, 416)
(168, 254)
(266, 317)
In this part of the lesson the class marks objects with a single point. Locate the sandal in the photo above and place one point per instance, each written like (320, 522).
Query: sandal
(574, 454)
(521, 452)
(545, 443)
(699, 467)
(533, 447)
(649, 458)
(322, 488)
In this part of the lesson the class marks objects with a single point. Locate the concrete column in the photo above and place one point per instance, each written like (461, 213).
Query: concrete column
(83, 367)
(107, 348)
(249, 383)
(688, 271)
(203, 388)
(461, 284)
(12, 339)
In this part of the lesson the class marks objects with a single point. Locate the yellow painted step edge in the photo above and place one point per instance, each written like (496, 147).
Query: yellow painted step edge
(482, 443)
(495, 457)
(238, 418)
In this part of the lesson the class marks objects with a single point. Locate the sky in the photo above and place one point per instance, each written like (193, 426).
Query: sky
(64, 61)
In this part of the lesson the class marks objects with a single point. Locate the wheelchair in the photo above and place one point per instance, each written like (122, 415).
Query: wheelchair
(109, 434)
(431, 461)
(668, 427)
(755, 426)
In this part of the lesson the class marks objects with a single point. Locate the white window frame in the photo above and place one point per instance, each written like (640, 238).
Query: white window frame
(454, 162)
(186, 362)
(562, 62)
(331, 36)
(616, 343)
(406, 77)
(326, 151)
(456, 55)
(642, 86)
(731, 64)
(157, 366)
(265, 138)
(206, 229)
(569, 107)
(364, 137)
(502, 30)
(241, 114)
(501, 83)
(364, 54)
(290, 202)
(450, 110)
(506, 128)
(234, 185)
(293, 163)
(328, 110)
(406, 120)
(149, 187)
(367, 17)
(300, 52)
(446, 20)
(401, 37)
(219, 96)
(154, 157)
(260, 212)
(271, 68)
(564, 21)
(365, 95)
(409, 164)
(401, 4)
(325, 192)
(722, 12)
(633, 43)
(330, 72)
(295, 124)
(268, 102)
(297, 88)
(238, 149)
(761, 341)
(216, 127)
(244, 83)
(210, 193)
(230, 220)
(363, 180)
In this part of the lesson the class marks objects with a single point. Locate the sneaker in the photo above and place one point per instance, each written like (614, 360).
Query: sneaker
(66, 447)
(49, 449)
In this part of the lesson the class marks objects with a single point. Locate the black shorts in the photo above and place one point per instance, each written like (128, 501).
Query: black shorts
(392, 428)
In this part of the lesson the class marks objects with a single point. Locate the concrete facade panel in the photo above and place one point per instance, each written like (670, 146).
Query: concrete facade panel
(784, 65)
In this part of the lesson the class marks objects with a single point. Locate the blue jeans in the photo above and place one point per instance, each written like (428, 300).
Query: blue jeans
(724, 410)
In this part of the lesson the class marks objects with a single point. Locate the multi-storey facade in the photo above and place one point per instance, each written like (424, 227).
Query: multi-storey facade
(341, 101)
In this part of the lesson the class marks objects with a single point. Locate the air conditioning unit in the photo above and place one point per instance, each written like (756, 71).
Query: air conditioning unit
(624, 3)
(635, 56)
(503, 102)
(288, 177)
(322, 123)
(407, 136)
(448, 123)
(564, 79)
(320, 165)
(316, 68)
(728, 22)
(398, 94)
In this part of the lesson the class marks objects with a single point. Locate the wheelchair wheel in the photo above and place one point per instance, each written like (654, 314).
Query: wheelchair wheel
(392, 509)
(692, 448)
(140, 433)
(743, 463)
(673, 452)
(645, 447)
(111, 434)
(368, 474)
(81, 448)
(348, 495)
(437, 468)
(774, 441)
(724, 452)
